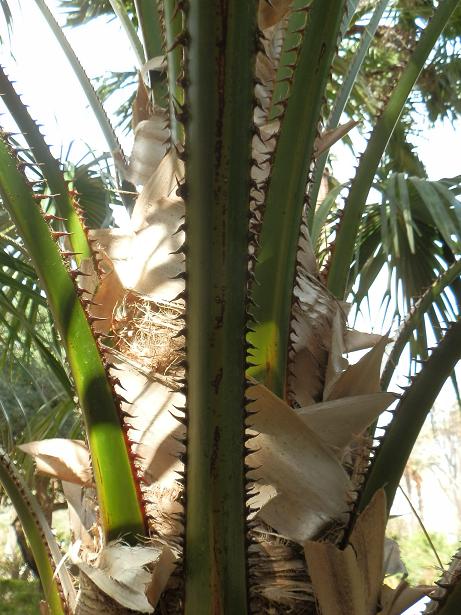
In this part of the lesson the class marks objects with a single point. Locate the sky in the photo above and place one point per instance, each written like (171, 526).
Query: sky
(46, 82)
(45, 79)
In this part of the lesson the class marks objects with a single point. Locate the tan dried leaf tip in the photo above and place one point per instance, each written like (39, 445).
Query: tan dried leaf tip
(68, 460)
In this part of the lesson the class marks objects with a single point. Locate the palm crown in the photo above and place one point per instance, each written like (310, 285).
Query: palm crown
(229, 456)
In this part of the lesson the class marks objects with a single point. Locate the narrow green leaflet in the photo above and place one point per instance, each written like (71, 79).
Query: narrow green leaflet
(441, 211)
(406, 210)
(323, 211)
(415, 317)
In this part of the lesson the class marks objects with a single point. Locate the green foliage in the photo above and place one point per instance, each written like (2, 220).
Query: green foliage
(19, 597)
(27, 395)
(88, 179)
(418, 556)
(440, 88)
(246, 251)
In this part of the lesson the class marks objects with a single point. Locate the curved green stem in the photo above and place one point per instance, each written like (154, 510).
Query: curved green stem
(388, 465)
(49, 167)
(85, 84)
(121, 12)
(341, 100)
(115, 476)
(149, 21)
(42, 542)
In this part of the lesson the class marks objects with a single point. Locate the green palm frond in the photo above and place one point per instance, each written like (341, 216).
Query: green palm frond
(414, 232)
(96, 192)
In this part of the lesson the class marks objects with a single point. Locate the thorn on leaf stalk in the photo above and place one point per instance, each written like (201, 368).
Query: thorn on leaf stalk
(184, 81)
(82, 291)
(437, 598)
(181, 229)
(49, 217)
(181, 295)
(247, 469)
(181, 40)
(69, 253)
(111, 365)
(59, 234)
(182, 440)
(93, 319)
(75, 273)
(181, 153)
(39, 197)
(88, 302)
(181, 112)
(115, 381)
(182, 275)
(181, 192)
(177, 415)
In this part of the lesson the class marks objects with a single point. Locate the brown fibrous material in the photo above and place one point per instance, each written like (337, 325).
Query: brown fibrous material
(149, 333)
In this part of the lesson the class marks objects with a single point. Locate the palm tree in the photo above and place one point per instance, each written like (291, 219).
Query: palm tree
(230, 462)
